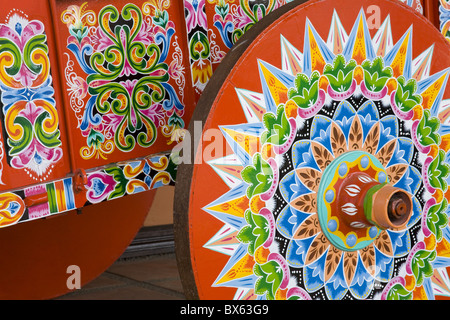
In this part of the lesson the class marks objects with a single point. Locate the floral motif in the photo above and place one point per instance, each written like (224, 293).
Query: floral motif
(444, 17)
(232, 20)
(382, 108)
(130, 178)
(199, 46)
(124, 96)
(30, 117)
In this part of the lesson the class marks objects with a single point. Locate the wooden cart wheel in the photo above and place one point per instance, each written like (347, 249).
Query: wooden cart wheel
(332, 179)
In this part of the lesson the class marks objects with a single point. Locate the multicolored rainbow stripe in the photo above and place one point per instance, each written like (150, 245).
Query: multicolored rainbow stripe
(60, 195)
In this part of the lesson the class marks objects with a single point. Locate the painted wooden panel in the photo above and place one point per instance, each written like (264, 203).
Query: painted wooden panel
(33, 145)
(124, 68)
(444, 18)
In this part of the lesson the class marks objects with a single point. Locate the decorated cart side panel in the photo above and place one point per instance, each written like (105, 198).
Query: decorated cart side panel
(111, 88)
(124, 67)
(33, 143)
(444, 18)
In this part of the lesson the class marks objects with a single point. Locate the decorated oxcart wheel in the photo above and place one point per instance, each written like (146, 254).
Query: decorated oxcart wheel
(323, 165)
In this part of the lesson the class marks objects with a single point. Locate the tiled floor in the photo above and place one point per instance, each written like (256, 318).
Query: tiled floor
(147, 278)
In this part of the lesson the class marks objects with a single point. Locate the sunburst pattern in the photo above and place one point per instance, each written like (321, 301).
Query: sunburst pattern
(356, 95)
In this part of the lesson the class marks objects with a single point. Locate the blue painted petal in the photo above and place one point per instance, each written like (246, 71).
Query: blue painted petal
(343, 116)
(296, 251)
(388, 130)
(367, 124)
(314, 274)
(146, 169)
(441, 262)
(302, 156)
(369, 112)
(401, 242)
(224, 30)
(416, 214)
(336, 287)
(255, 129)
(362, 282)
(98, 186)
(428, 286)
(410, 181)
(403, 152)
(321, 131)
(289, 220)
(291, 187)
(384, 265)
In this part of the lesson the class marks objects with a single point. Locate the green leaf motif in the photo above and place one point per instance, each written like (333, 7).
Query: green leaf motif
(340, 73)
(259, 176)
(222, 9)
(405, 95)
(48, 139)
(306, 91)
(121, 186)
(398, 292)
(428, 129)
(421, 265)
(270, 276)
(376, 74)
(255, 233)
(12, 49)
(438, 172)
(19, 145)
(278, 127)
(437, 219)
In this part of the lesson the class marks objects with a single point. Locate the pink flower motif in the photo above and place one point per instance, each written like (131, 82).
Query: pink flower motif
(196, 17)
(19, 30)
(100, 185)
(25, 76)
(100, 41)
(37, 157)
(129, 86)
(155, 113)
(80, 87)
(145, 34)
(31, 111)
(111, 122)
(176, 70)
(241, 19)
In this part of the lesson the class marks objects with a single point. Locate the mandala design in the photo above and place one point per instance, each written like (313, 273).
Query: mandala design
(30, 118)
(350, 104)
(124, 95)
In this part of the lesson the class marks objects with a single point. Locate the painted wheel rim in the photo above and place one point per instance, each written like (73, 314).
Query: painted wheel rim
(382, 94)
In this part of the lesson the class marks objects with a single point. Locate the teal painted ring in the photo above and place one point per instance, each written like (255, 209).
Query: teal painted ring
(327, 195)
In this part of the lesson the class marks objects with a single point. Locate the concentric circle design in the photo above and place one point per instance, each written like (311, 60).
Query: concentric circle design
(327, 195)
(344, 100)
